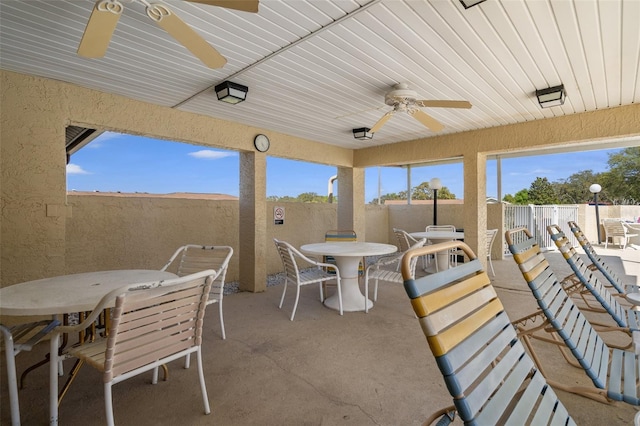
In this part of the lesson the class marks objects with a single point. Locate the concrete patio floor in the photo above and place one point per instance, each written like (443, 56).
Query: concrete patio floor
(320, 369)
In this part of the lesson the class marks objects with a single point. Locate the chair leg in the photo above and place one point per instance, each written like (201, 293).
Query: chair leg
(108, 404)
(493, 273)
(224, 336)
(53, 379)
(366, 291)
(340, 297)
(203, 386)
(284, 291)
(295, 305)
(12, 380)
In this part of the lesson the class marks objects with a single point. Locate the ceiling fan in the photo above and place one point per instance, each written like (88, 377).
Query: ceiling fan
(403, 99)
(105, 15)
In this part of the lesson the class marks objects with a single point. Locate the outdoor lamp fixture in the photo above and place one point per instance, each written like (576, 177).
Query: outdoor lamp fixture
(435, 184)
(594, 189)
(470, 3)
(550, 97)
(231, 93)
(362, 133)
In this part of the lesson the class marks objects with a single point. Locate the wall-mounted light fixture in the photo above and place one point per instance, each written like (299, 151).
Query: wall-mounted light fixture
(552, 96)
(231, 93)
(362, 133)
(470, 3)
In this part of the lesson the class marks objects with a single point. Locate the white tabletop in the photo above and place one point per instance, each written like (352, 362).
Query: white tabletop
(70, 293)
(438, 235)
(348, 248)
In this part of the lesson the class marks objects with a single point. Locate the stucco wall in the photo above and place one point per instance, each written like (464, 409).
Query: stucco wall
(140, 232)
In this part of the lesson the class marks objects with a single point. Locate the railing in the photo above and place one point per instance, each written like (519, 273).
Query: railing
(537, 218)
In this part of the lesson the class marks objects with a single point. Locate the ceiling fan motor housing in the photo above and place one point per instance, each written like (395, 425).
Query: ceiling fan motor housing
(401, 94)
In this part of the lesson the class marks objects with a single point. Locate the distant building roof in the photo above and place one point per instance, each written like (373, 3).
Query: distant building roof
(189, 195)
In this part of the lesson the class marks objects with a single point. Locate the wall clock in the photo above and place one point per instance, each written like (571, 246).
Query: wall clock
(261, 142)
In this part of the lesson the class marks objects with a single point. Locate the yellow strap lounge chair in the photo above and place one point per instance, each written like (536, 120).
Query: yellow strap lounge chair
(487, 371)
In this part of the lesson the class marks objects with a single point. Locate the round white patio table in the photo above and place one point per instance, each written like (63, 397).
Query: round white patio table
(442, 258)
(348, 255)
(67, 294)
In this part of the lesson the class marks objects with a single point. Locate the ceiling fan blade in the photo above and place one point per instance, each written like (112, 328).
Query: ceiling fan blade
(426, 119)
(176, 27)
(443, 104)
(97, 34)
(243, 5)
(381, 122)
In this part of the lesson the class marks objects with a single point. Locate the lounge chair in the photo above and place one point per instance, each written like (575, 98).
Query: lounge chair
(614, 372)
(485, 367)
(625, 317)
(598, 263)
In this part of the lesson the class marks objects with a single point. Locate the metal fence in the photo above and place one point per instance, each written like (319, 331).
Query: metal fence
(537, 218)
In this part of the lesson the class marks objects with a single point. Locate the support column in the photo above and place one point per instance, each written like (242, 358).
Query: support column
(253, 222)
(475, 204)
(351, 210)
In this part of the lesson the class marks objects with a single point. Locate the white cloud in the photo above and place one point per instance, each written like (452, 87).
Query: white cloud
(74, 169)
(537, 172)
(209, 154)
(104, 137)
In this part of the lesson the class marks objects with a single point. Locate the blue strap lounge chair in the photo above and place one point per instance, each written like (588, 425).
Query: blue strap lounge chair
(485, 367)
(598, 263)
(625, 317)
(614, 372)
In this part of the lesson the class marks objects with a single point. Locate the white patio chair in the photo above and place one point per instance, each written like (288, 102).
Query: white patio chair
(152, 324)
(377, 271)
(18, 338)
(312, 275)
(447, 228)
(491, 237)
(193, 258)
(405, 240)
(615, 230)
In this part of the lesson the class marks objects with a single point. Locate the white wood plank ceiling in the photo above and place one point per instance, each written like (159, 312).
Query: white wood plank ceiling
(319, 68)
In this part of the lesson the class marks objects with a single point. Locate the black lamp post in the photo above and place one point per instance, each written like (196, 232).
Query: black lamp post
(435, 184)
(594, 189)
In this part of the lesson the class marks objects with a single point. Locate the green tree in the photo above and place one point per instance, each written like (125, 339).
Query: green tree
(575, 188)
(521, 197)
(424, 192)
(621, 184)
(541, 192)
(311, 197)
(402, 195)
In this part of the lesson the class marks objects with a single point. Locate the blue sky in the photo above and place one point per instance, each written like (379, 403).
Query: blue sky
(115, 162)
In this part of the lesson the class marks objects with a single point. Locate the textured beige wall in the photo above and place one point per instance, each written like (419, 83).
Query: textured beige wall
(142, 233)
(33, 180)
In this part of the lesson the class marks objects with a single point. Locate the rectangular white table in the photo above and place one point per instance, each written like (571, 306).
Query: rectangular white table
(348, 255)
(64, 295)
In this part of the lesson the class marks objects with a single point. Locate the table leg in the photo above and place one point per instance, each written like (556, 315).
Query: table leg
(352, 298)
